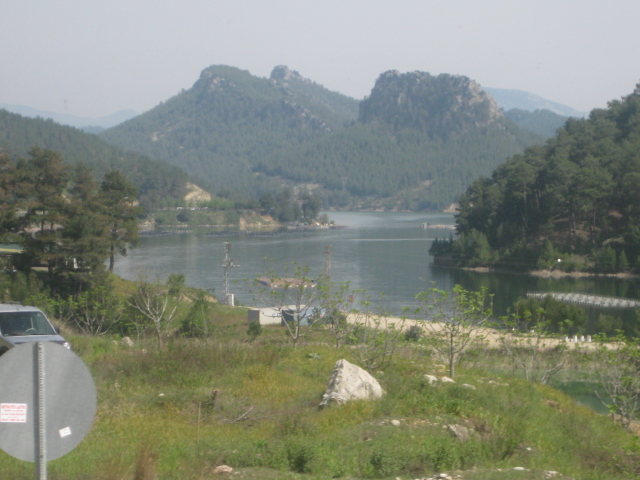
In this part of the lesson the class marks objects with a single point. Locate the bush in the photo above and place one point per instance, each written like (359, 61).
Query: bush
(413, 333)
(197, 321)
(254, 330)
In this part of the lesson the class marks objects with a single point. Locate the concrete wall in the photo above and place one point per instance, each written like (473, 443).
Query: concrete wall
(266, 316)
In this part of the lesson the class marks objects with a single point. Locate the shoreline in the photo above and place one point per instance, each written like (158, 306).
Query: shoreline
(554, 273)
(493, 337)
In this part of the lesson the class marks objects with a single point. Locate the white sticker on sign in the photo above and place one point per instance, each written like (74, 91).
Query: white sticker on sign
(13, 413)
(64, 432)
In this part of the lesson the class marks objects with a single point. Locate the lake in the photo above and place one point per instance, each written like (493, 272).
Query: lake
(383, 253)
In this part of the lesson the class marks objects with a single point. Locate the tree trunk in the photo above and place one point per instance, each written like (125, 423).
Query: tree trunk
(112, 259)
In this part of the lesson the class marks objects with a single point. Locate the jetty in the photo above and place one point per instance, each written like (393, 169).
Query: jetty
(286, 282)
(426, 225)
(588, 300)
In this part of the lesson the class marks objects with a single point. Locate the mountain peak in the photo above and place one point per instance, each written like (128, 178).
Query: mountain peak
(440, 105)
(282, 73)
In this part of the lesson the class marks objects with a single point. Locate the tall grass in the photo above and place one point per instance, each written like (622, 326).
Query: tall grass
(178, 412)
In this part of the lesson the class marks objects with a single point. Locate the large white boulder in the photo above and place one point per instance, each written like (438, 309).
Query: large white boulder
(350, 382)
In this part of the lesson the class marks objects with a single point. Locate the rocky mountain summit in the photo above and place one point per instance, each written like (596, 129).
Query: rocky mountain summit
(414, 143)
(441, 105)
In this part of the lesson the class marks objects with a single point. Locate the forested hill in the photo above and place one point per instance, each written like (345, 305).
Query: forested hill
(219, 129)
(418, 143)
(575, 199)
(415, 143)
(541, 122)
(157, 182)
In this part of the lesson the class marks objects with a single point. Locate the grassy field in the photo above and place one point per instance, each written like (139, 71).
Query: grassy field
(180, 411)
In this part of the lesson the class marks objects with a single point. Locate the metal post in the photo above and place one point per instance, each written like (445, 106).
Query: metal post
(227, 265)
(41, 462)
(327, 260)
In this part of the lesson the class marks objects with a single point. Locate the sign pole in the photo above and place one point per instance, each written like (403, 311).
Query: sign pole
(41, 454)
(49, 406)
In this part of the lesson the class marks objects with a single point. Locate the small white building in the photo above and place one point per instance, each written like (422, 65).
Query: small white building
(266, 316)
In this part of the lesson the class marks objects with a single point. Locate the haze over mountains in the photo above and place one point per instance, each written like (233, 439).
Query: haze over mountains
(84, 123)
(507, 99)
(415, 143)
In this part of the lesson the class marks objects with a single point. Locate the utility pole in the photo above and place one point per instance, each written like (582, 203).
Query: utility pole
(327, 260)
(227, 265)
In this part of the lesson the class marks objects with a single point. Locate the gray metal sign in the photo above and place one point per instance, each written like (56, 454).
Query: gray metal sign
(47, 401)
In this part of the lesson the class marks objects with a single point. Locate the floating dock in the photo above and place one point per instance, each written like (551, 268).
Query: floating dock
(588, 300)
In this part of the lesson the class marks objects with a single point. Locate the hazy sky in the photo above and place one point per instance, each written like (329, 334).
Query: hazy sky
(93, 58)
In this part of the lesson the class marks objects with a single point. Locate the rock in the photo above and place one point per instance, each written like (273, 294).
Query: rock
(553, 403)
(126, 341)
(634, 427)
(395, 423)
(350, 382)
(431, 379)
(466, 385)
(447, 380)
(223, 469)
(493, 382)
(459, 431)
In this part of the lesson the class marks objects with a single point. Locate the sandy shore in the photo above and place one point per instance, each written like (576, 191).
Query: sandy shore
(493, 337)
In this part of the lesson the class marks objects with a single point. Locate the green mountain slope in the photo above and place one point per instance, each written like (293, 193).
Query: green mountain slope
(420, 140)
(416, 142)
(157, 182)
(541, 122)
(228, 120)
(575, 199)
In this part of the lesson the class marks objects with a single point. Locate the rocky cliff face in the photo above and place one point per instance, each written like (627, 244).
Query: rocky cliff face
(282, 73)
(438, 105)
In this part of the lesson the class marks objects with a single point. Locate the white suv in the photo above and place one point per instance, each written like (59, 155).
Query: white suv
(21, 324)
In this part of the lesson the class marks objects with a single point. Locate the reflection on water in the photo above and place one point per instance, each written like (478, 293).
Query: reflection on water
(382, 253)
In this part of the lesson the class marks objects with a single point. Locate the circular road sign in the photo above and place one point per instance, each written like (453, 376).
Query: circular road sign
(69, 400)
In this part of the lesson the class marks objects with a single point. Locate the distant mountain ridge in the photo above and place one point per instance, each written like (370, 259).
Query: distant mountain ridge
(72, 120)
(229, 119)
(414, 143)
(509, 99)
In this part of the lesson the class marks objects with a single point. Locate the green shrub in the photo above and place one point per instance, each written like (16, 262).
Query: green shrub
(413, 333)
(254, 330)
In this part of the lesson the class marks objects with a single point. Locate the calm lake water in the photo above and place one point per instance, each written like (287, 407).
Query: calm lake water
(382, 253)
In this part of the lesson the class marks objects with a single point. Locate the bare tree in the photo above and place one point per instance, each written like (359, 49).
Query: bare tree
(295, 294)
(618, 368)
(339, 303)
(529, 343)
(454, 323)
(378, 336)
(95, 312)
(155, 304)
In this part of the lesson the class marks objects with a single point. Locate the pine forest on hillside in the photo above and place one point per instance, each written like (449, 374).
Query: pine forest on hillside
(411, 145)
(158, 183)
(573, 203)
(415, 143)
